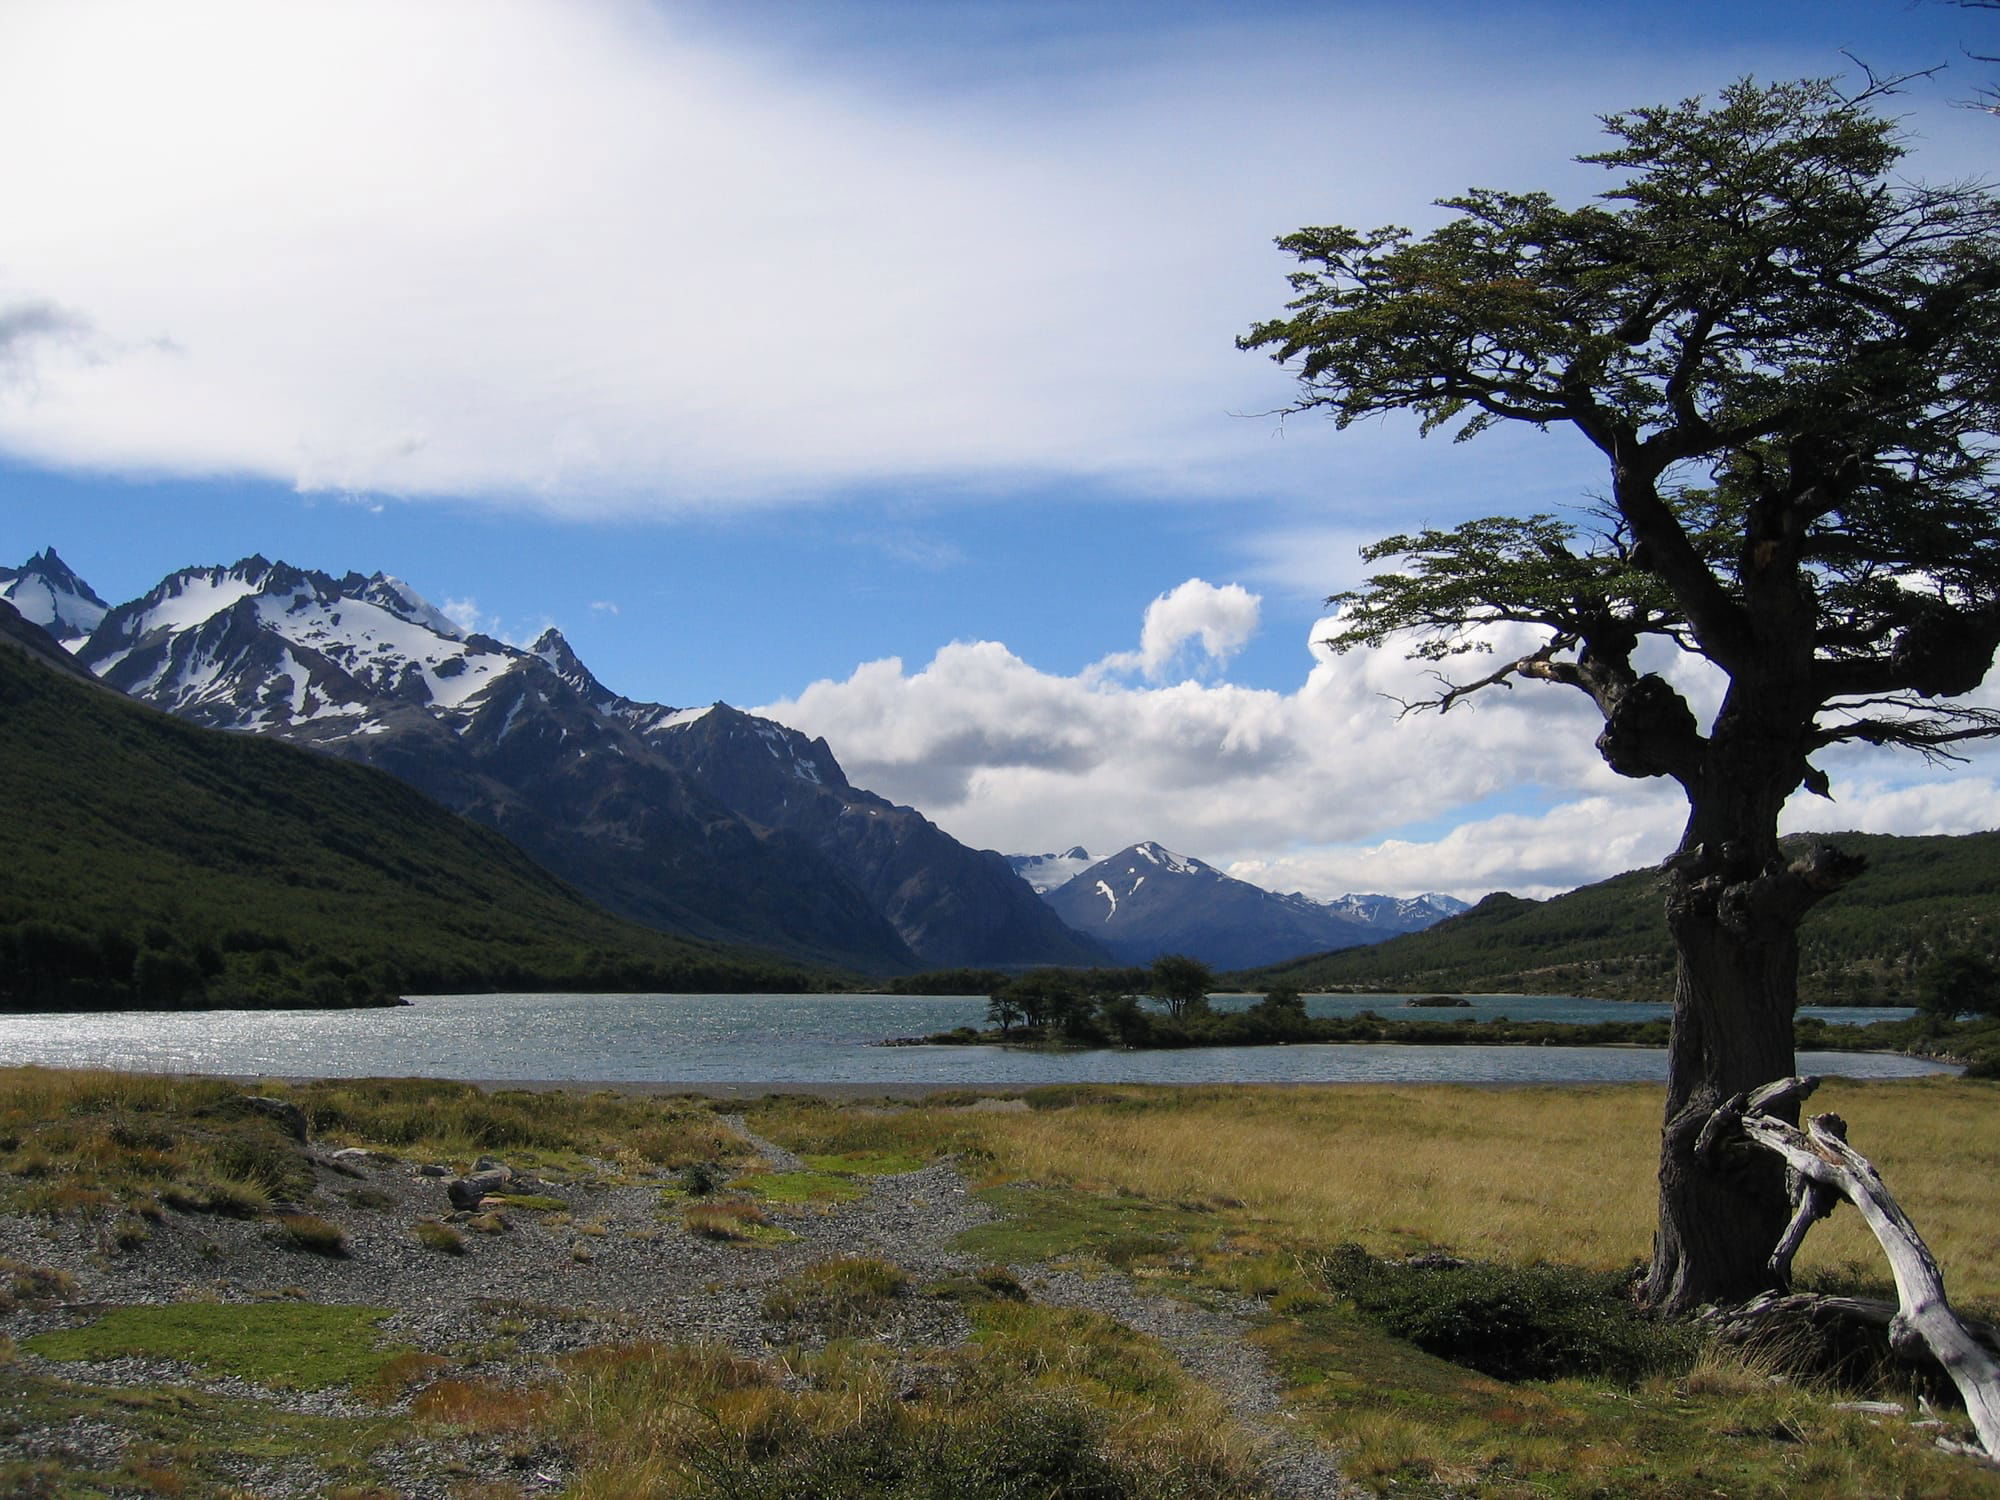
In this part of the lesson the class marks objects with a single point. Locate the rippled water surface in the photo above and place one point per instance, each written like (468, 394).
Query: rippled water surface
(813, 1039)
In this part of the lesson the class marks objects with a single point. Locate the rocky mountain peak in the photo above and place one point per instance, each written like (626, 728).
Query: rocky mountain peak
(48, 593)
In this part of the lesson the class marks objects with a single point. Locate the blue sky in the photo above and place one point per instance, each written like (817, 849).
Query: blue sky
(869, 363)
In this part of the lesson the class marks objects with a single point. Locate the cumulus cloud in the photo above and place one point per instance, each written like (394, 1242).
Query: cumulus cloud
(1008, 756)
(1222, 619)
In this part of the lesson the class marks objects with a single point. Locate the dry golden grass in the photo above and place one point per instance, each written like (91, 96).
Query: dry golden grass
(1528, 1174)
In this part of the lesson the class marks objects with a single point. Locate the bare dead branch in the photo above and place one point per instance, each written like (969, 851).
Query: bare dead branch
(1820, 1162)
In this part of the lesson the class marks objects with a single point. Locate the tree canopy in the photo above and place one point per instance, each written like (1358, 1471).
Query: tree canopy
(1789, 360)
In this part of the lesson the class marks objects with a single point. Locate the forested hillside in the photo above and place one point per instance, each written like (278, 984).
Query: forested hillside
(1920, 896)
(152, 863)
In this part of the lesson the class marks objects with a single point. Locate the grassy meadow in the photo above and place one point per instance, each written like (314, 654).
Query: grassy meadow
(1294, 1207)
(1512, 1174)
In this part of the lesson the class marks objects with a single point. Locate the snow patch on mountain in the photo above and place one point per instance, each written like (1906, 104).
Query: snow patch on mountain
(1045, 872)
(49, 594)
(1147, 900)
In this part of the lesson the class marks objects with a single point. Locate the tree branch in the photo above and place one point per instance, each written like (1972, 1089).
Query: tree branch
(1819, 1158)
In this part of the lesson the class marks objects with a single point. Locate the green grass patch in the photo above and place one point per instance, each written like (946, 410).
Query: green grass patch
(184, 1442)
(284, 1345)
(435, 1235)
(867, 1163)
(1043, 1223)
(534, 1203)
(737, 1220)
(800, 1187)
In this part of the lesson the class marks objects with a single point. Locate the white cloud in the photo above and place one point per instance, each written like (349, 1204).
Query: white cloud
(1222, 619)
(600, 255)
(604, 606)
(1529, 855)
(467, 616)
(1007, 756)
(1312, 789)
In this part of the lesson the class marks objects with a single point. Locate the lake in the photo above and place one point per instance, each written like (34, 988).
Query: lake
(712, 1039)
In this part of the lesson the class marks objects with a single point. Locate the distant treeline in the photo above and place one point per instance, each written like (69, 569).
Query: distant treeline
(45, 966)
(1167, 1006)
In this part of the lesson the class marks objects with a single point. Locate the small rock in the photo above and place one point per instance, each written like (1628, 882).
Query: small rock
(465, 1192)
(434, 1169)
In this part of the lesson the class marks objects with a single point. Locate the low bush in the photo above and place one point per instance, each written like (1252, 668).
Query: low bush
(1510, 1322)
(726, 1219)
(837, 1297)
(311, 1233)
(700, 1178)
(442, 1238)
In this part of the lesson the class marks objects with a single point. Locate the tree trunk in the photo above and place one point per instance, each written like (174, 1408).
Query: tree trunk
(1734, 916)
(1732, 1031)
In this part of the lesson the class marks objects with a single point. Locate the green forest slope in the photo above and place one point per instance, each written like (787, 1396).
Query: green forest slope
(144, 861)
(1918, 897)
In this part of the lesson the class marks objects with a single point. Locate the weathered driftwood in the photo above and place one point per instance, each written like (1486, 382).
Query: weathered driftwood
(1820, 1163)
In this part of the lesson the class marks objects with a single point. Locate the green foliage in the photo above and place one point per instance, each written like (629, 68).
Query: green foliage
(153, 863)
(288, 1345)
(1183, 982)
(1510, 1322)
(1955, 983)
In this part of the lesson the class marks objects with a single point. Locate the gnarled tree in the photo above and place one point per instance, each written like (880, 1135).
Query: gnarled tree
(1789, 359)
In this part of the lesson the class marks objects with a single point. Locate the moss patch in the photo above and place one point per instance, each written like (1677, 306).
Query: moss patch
(800, 1187)
(285, 1345)
(1041, 1223)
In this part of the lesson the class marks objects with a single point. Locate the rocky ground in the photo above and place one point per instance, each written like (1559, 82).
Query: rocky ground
(605, 1267)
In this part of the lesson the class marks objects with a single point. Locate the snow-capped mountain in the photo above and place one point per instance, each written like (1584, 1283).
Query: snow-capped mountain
(1398, 914)
(751, 835)
(48, 594)
(1147, 900)
(1047, 871)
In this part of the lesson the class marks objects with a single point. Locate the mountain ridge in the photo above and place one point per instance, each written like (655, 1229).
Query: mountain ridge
(1146, 901)
(595, 786)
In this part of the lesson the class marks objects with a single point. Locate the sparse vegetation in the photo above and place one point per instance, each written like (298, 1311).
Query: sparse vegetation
(728, 1219)
(311, 1233)
(837, 1298)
